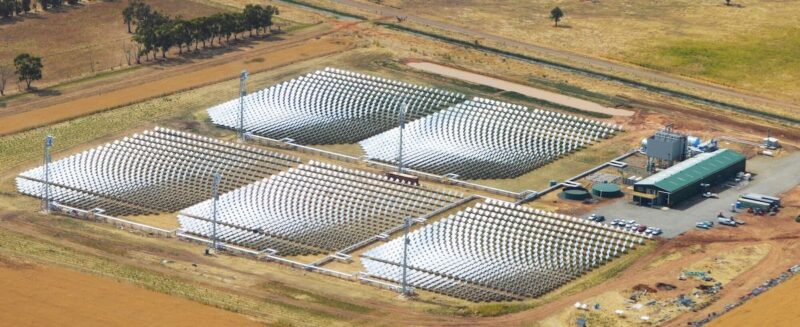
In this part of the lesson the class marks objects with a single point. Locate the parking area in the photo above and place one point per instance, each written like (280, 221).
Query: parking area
(772, 176)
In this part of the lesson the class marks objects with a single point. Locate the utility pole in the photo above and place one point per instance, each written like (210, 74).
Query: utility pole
(406, 291)
(402, 119)
(48, 143)
(242, 93)
(215, 196)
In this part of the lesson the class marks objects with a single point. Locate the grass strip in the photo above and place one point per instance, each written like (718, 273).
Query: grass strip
(329, 10)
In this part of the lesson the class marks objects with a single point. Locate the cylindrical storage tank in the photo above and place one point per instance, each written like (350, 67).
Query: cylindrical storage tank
(644, 143)
(693, 141)
(575, 193)
(606, 190)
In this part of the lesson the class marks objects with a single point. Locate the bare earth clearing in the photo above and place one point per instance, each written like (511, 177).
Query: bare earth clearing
(522, 89)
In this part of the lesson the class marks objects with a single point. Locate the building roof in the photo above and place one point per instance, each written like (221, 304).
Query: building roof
(692, 170)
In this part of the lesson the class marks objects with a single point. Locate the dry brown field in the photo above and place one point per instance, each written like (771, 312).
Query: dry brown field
(81, 40)
(776, 308)
(38, 295)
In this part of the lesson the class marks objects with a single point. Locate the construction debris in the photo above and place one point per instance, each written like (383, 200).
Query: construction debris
(685, 301)
(710, 289)
(702, 275)
(644, 288)
(581, 306)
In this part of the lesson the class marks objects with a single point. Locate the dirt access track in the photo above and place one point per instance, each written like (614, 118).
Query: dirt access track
(514, 87)
(36, 295)
(149, 86)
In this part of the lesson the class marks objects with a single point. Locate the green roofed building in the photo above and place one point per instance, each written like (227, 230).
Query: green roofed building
(683, 180)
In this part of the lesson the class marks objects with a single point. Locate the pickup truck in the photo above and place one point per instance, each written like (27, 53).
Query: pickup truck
(704, 224)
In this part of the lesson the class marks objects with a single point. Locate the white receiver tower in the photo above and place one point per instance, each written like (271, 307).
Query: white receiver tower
(215, 196)
(48, 143)
(242, 92)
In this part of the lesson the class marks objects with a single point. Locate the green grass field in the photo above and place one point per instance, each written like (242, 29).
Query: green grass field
(765, 59)
(752, 45)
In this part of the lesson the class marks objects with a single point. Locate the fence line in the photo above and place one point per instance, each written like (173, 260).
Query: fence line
(266, 255)
(309, 267)
(371, 163)
(262, 255)
(380, 237)
(364, 278)
(224, 246)
(537, 194)
(89, 214)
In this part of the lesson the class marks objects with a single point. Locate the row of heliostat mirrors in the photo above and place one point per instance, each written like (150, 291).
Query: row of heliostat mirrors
(445, 132)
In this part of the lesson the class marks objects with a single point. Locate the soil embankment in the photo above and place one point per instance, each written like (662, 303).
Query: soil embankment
(518, 88)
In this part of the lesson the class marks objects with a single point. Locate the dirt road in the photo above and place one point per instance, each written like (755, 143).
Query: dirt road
(604, 64)
(518, 88)
(36, 295)
(148, 90)
(158, 81)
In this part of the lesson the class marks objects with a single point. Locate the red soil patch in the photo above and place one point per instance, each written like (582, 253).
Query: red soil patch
(776, 308)
(52, 296)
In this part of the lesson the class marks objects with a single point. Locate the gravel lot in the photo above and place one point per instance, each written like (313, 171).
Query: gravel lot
(772, 176)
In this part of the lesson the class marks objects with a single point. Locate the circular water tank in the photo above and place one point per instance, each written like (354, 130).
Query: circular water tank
(575, 193)
(644, 142)
(606, 190)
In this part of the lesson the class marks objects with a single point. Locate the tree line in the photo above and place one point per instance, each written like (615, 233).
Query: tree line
(9, 8)
(27, 68)
(156, 32)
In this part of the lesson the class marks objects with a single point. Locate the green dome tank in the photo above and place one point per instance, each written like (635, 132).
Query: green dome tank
(606, 190)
